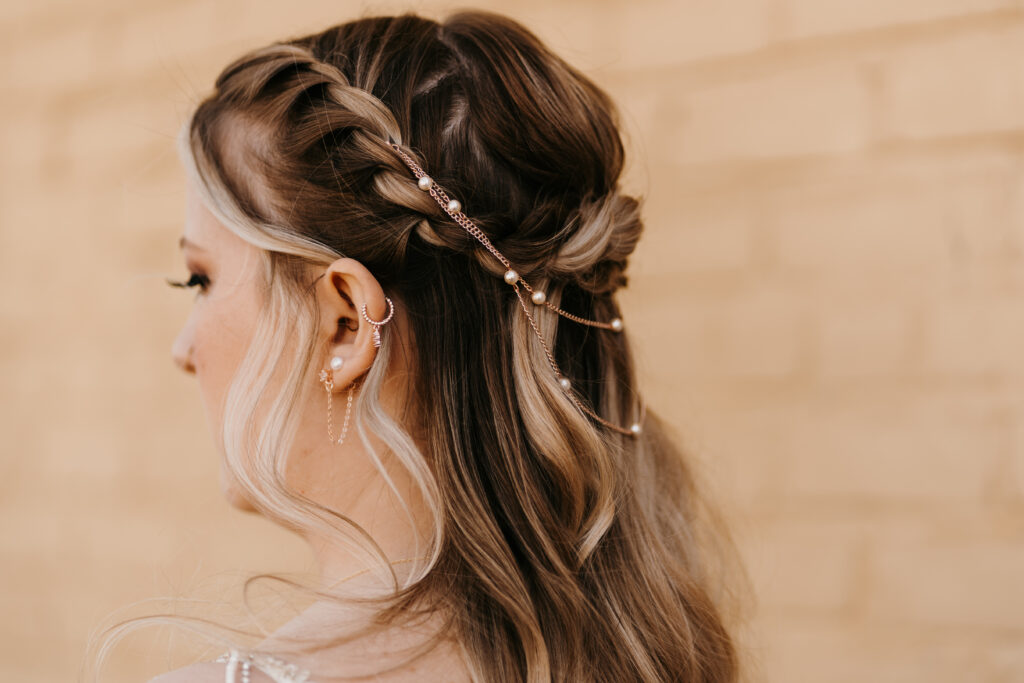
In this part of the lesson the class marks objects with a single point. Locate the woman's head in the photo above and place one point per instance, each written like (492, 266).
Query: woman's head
(539, 519)
(227, 270)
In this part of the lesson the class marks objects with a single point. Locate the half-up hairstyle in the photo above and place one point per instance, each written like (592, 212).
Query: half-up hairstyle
(564, 551)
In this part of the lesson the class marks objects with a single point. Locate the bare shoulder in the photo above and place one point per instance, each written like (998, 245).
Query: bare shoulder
(204, 672)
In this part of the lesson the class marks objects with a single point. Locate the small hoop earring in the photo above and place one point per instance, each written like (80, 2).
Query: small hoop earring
(377, 324)
(328, 381)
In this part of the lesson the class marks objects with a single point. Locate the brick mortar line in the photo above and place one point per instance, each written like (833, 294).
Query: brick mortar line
(778, 172)
(793, 53)
(47, 21)
(914, 628)
(715, 70)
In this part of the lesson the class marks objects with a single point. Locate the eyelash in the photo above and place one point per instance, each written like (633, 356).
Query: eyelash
(196, 280)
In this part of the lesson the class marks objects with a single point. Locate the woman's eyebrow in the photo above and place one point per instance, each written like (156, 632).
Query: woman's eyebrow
(182, 243)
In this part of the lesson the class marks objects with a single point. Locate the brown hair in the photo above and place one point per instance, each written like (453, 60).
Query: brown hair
(564, 551)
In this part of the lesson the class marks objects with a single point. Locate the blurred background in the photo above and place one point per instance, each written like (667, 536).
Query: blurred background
(828, 302)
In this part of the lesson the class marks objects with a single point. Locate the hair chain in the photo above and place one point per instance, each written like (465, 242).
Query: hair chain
(454, 209)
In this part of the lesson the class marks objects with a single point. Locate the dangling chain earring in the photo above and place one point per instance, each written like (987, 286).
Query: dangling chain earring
(328, 380)
(336, 363)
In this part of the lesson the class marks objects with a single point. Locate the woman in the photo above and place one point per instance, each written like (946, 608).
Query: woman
(406, 238)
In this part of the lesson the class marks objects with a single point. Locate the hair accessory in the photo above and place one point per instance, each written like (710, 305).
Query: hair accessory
(377, 325)
(454, 209)
(328, 381)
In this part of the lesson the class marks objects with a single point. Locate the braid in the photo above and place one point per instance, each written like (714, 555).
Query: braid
(600, 236)
(589, 245)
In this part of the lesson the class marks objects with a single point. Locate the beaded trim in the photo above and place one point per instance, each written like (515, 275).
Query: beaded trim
(240, 666)
(453, 207)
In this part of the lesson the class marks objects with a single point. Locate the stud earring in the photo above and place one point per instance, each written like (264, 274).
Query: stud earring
(336, 363)
(377, 324)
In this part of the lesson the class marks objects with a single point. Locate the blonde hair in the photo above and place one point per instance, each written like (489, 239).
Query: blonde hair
(562, 551)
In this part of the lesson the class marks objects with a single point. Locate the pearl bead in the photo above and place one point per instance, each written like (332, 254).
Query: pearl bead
(336, 363)
(617, 324)
(425, 182)
(635, 428)
(538, 297)
(511, 276)
(565, 382)
(454, 206)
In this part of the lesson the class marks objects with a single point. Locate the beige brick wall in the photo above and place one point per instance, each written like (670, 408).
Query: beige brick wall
(829, 301)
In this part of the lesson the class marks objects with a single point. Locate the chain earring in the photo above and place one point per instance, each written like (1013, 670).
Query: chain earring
(328, 381)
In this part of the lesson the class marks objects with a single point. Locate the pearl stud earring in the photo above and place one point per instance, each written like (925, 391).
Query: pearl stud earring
(325, 377)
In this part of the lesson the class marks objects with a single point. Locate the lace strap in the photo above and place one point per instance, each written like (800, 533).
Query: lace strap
(240, 666)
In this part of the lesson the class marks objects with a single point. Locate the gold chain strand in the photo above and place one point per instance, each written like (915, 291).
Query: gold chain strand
(328, 381)
(442, 198)
(536, 329)
(454, 209)
(570, 316)
(561, 378)
(348, 412)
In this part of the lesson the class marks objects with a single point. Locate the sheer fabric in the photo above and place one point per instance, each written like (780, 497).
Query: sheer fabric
(241, 664)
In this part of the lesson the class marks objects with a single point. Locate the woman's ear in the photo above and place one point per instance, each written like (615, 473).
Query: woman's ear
(345, 287)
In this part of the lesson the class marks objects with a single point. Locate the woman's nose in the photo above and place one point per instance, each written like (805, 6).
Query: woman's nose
(181, 351)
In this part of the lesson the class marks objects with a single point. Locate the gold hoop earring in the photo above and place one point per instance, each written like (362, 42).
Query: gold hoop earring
(377, 324)
(328, 382)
